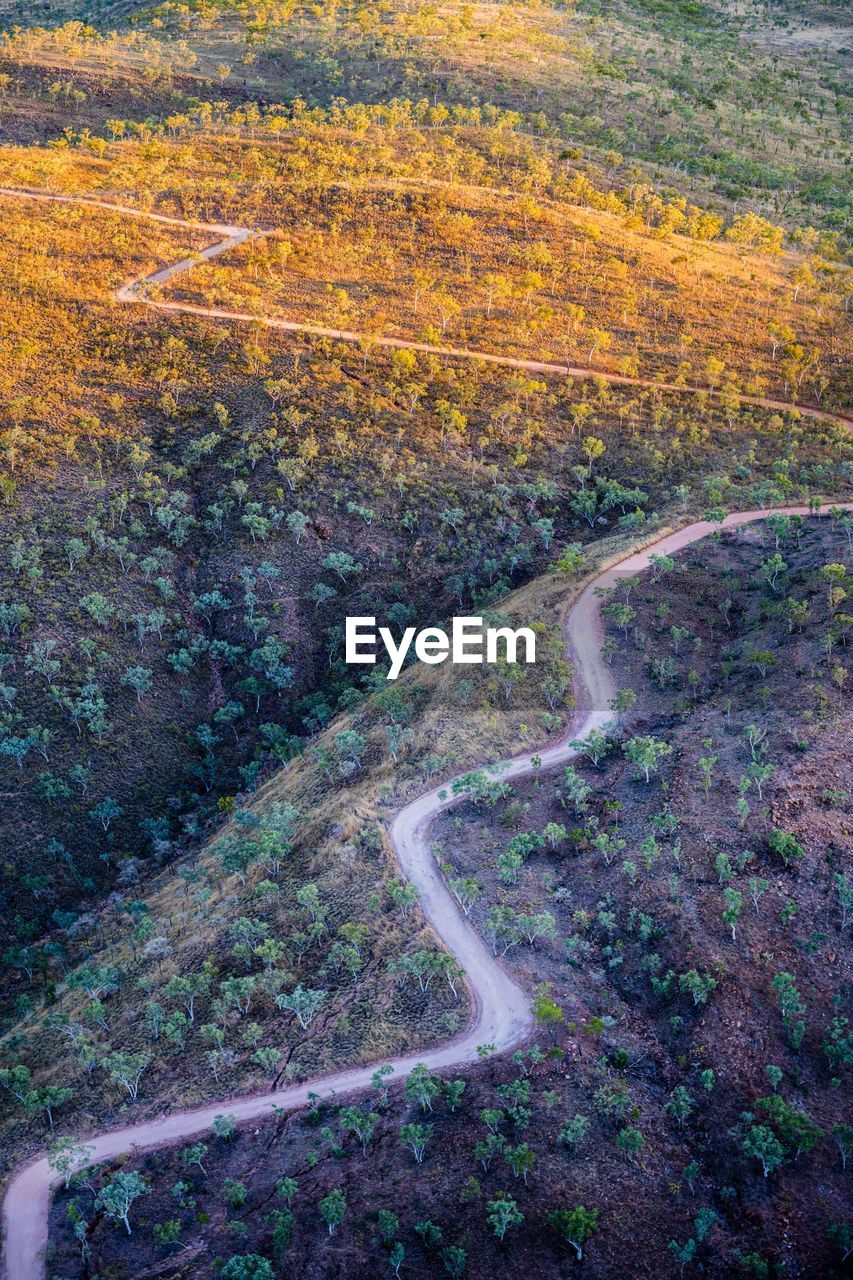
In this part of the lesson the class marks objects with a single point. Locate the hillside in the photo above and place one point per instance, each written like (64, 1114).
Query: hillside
(666, 915)
(736, 99)
(191, 563)
(456, 306)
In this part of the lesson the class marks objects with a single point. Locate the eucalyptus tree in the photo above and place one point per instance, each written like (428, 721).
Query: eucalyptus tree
(647, 754)
(126, 1070)
(680, 1105)
(733, 909)
(494, 1144)
(762, 1144)
(304, 1003)
(333, 1209)
(380, 1081)
(791, 1007)
(361, 1123)
(69, 1158)
(118, 1196)
(698, 985)
(415, 1138)
(595, 745)
(194, 1155)
(248, 1266)
(422, 1087)
(502, 1214)
(575, 1226)
(630, 1141)
(572, 1132)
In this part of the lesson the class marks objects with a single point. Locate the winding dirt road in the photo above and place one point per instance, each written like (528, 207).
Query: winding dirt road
(501, 1007)
(135, 292)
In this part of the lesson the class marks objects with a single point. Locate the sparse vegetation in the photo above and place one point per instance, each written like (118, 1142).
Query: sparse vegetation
(199, 893)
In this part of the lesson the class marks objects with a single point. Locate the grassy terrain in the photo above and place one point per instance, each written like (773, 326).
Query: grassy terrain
(178, 494)
(668, 913)
(207, 503)
(687, 91)
(196, 787)
(328, 811)
(546, 279)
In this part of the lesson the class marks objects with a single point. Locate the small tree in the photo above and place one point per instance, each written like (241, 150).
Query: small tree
(647, 754)
(771, 568)
(757, 888)
(342, 563)
(454, 1260)
(248, 1266)
(361, 1123)
(575, 1226)
(297, 523)
(194, 1155)
(595, 746)
(680, 1105)
(224, 1126)
(546, 1010)
(421, 1087)
(106, 812)
(119, 1194)
(554, 833)
(759, 773)
(466, 891)
(350, 747)
(843, 1135)
(575, 790)
(47, 1099)
(379, 1080)
(493, 1145)
(453, 1091)
(126, 1069)
(732, 910)
(304, 1003)
(762, 1144)
(787, 846)
(699, 985)
(268, 1059)
(520, 1159)
(571, 558)
(139, 679)
(332, 1210)
(630, 1142)
(573, 1131)
(287, 1188)
(68, 1158)
(18, 1080)
(415, 1137)
(396, 1257)
(791, 1007)
(794, 1127)
(503, 1214)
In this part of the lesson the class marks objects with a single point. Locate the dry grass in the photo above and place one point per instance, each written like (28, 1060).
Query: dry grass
(56, 262)
(461, 265)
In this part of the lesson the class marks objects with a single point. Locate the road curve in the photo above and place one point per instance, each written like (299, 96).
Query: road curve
(135, 291)
(502, 1014)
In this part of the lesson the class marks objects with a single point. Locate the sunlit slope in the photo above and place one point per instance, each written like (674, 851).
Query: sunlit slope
(717, 101)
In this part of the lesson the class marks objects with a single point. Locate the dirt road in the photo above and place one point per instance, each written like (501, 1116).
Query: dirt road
(135, 292)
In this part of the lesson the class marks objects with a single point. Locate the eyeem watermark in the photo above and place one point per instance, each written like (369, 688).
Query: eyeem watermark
(468, 642)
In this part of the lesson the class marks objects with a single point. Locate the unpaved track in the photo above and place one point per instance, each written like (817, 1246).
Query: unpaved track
(501, 1007)
(135, 291)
